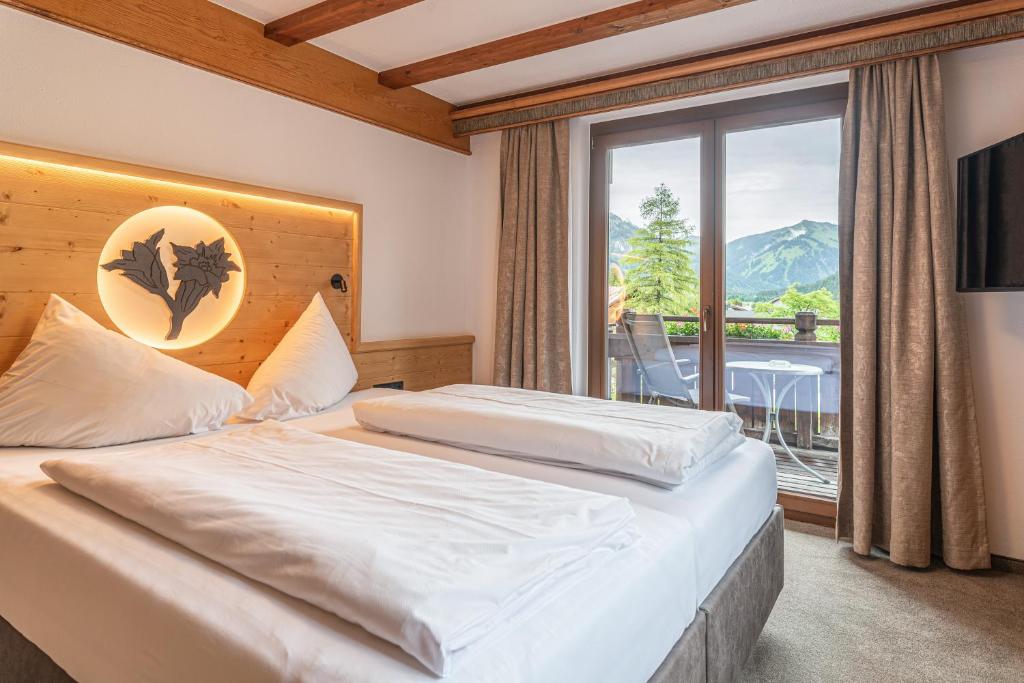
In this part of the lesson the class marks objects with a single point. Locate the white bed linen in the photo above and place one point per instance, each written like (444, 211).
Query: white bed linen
(661, 445)
(310, 369)
(79, 385)
(726, 504)
(110, 600)
(378, 537)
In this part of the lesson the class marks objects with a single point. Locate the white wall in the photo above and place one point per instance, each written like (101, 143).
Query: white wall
(68, 90)
(985, 104)
(481, 249)
(579, 251)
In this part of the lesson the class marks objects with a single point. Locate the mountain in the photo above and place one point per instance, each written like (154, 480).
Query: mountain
(621, 229)
(761, 267)
(619, 232)
(831, 283)
(805, 254)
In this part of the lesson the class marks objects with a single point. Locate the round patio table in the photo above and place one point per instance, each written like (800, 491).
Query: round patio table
(793, 372)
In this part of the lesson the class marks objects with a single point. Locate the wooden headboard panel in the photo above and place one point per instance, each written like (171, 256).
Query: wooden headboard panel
(57, 210)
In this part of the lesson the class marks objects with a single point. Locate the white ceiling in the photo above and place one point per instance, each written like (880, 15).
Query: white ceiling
(435, 27)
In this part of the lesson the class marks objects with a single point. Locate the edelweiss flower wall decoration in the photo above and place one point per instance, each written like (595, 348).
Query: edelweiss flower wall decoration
(171, 277)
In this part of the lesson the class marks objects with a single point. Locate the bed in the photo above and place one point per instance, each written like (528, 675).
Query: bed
(87, 595)
(106, 599)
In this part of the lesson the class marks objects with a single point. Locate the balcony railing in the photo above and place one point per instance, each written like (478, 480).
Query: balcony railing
(805, 324)
(810, 418)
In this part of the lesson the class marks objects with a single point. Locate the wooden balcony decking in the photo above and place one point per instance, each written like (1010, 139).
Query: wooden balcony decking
(793, 478)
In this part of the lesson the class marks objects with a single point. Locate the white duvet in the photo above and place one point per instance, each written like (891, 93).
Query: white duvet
(427, 554)
(660, 445)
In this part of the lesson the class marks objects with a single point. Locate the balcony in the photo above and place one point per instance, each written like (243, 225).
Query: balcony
(809, 408)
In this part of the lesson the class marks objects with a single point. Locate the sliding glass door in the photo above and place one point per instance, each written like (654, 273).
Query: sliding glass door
(714, 271)
(656, 212)
(779, 219)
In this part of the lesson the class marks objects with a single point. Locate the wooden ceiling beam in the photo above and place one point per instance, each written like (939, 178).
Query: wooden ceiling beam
(611, 22)
(767, 61)
(210, 37)
(327, 17)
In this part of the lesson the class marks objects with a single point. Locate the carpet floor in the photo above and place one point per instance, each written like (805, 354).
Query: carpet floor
(842, 617)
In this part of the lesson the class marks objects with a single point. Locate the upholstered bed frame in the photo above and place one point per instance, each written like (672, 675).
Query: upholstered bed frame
(716, 645)
(713, 648)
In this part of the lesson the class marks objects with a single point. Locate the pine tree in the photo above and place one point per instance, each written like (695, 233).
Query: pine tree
(661, 278)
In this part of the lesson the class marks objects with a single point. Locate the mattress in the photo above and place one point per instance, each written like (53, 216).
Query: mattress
(725, 504)
(110, 600)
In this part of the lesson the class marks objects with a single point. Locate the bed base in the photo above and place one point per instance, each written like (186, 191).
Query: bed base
(22, 662)
(687, 660)
(739, 606)
(712, 649)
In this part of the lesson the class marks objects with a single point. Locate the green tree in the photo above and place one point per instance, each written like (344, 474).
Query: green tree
(821, 301)
(660, 276)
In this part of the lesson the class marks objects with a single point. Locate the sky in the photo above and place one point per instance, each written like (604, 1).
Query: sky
(774, 177)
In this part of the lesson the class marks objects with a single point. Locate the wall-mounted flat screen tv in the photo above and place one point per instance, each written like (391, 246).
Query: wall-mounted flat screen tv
(990, 218)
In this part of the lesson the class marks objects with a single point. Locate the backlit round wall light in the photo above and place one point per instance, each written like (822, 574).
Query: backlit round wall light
(171, 277)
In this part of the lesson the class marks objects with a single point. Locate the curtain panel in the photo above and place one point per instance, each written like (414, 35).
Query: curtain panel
(911, 479)
(531, 348)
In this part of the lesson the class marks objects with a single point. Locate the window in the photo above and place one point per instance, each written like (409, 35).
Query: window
(714, 270)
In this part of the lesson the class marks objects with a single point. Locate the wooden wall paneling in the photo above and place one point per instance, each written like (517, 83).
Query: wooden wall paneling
(240, 372)
(415, 343)
(43, 270)
(355, 282)
(44, 184)
(57, 210)
(56, 228)
(19, 311)
(419, 367)
(205, 35)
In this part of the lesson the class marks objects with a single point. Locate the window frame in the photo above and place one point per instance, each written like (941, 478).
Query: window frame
(712, 123)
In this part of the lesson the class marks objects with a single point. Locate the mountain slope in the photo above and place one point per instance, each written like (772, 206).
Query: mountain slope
(761, 267)
(803, 254)
(619, 232)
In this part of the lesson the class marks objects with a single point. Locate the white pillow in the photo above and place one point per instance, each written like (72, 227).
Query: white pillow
(79, 385)
(309, 370)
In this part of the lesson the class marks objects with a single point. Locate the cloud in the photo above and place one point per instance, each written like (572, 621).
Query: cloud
(774, 176)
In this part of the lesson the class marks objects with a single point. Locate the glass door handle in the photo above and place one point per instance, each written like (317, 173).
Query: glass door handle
(706, 319)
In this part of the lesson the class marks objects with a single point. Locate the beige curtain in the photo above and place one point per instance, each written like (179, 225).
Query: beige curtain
(532, 324)
(911, 471)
